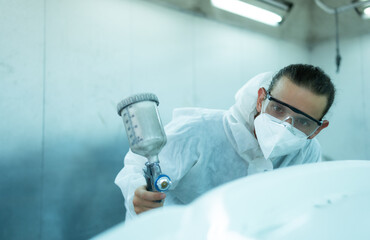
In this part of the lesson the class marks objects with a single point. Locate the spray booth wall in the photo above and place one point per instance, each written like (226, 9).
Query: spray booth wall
(64, 65)
(347, 136)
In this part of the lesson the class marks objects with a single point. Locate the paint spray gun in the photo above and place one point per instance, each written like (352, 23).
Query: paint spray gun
(146, 136)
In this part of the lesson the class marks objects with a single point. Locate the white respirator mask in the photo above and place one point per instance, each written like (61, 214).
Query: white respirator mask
(277, 138)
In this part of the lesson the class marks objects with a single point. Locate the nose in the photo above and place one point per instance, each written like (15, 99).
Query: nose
(289, 120)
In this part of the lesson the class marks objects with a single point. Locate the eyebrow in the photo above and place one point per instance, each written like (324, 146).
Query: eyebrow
(296, 110)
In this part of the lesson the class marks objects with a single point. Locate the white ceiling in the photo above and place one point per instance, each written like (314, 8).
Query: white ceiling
(306, 22)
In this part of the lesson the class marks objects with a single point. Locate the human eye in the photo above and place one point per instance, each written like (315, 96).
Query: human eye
(303, 122)
(277, 108)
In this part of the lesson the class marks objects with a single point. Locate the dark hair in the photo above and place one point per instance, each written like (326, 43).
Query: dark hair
(310, 77)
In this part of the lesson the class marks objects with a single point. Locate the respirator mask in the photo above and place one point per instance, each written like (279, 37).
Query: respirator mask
(282, 129)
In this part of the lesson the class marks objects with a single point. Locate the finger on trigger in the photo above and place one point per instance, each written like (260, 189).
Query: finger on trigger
(153, 196)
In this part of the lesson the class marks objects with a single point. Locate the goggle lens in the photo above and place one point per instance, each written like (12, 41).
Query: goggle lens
(285, 114)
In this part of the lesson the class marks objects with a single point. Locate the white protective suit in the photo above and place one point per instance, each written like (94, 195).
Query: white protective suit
(206, 148)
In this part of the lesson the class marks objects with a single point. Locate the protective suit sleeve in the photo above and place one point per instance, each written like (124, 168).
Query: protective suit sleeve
(129, 179)
(181, 152)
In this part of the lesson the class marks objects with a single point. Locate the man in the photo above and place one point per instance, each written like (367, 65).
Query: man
(271, 125)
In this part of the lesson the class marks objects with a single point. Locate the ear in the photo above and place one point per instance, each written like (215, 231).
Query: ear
(260, 98)
(324, 125)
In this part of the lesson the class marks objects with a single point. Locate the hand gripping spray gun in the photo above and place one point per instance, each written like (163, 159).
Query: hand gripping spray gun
(146, 136)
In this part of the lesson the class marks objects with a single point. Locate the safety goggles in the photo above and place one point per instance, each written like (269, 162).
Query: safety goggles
(283, 112)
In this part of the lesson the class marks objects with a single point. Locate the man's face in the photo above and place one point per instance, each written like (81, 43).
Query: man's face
(299, 97)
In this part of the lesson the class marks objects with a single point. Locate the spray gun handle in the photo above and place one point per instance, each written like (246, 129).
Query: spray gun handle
(148, 179)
